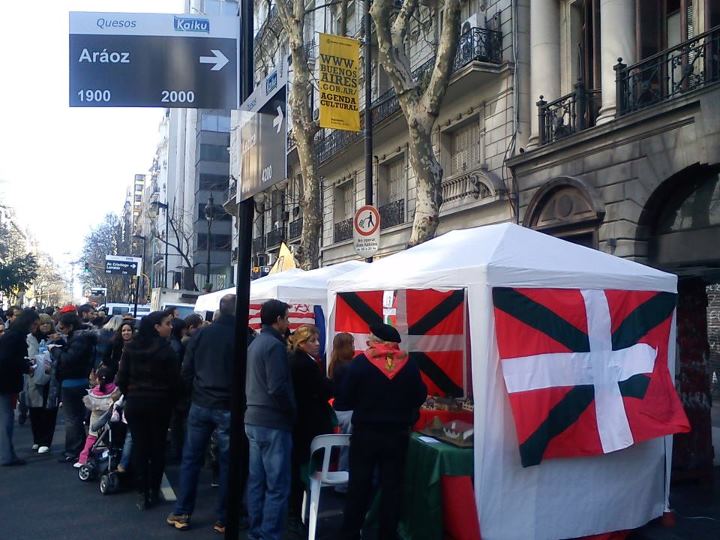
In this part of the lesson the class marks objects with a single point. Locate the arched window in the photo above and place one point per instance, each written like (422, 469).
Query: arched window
(567, 208)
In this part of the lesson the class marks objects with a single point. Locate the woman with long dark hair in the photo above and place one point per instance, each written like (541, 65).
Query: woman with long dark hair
(149, 377)
(121, 337)
(14, 363)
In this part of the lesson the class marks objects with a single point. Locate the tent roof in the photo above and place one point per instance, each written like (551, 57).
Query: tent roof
(503, 255)
(294, 286)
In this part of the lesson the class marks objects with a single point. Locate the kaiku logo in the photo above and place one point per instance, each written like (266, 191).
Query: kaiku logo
(187, 24)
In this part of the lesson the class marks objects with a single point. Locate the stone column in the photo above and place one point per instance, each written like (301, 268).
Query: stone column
(617, 39)
(544, 57)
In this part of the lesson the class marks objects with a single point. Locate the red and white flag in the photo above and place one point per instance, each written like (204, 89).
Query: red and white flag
(586, 370)
(299, 314)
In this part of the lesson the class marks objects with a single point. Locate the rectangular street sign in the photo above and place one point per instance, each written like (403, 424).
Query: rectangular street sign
(154, 60)
(263, 137)
(122, 266)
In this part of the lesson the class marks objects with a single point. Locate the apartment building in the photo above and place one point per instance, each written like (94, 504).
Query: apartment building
(474, 135)
(624, 156)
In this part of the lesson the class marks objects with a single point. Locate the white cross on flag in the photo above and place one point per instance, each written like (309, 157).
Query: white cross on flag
(586, 370)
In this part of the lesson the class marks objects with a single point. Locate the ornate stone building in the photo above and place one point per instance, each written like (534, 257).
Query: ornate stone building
(624, 154)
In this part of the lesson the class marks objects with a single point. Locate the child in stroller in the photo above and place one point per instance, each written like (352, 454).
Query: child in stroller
(104, 445)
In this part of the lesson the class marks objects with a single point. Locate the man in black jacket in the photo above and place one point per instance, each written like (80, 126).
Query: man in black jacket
(13, 364)
(74, 356)
(207, 369)
(269, 421)
(384, 390)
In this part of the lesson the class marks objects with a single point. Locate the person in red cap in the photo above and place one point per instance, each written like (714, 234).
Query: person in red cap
(69, 308)
(384, 390)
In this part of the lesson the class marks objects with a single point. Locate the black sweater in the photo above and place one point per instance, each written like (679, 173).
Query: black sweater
(380, 403)
(149, 371)
(13, 364)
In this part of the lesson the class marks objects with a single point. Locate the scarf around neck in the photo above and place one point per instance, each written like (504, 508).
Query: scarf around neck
(387, 357)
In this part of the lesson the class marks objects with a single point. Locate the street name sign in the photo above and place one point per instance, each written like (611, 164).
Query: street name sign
(263, 137)
(119, 265)
(366, 231)
(154, 60)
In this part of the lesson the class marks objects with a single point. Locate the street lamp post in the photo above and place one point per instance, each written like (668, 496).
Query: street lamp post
(158, 205)
(209, 216)
(142, 271)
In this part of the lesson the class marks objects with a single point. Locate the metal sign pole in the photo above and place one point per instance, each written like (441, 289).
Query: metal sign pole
(238, 467)
(367, 19)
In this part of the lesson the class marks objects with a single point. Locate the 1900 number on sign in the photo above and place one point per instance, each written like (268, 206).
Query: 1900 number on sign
(94, 96)
(181, 96)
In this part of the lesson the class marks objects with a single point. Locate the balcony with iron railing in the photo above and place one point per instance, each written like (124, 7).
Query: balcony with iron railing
(669, 74)
(275, 237)
(230, 197)
(475, 45)
(568, 114)
(343, 230)
(295, 229)
(392, 213)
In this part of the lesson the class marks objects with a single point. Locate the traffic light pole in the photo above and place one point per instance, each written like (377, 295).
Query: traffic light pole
(238, 462)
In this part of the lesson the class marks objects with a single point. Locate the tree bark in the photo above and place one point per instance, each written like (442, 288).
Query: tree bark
(420, 106)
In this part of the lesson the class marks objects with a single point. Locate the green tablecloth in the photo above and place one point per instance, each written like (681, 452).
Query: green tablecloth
(426, 464)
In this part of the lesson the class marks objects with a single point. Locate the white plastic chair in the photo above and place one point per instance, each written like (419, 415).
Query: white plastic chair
(324, 477)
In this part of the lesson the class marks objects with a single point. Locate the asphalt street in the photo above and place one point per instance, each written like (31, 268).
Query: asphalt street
(45, 500)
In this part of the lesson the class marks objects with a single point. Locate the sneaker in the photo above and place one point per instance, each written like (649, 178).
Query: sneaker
(219, 527)
(77, 464)
(121, 469)
(180, 521)
(35, 446)
(67, 459)
(43, 450)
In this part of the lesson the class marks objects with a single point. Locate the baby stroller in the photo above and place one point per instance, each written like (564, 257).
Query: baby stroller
(106, 452)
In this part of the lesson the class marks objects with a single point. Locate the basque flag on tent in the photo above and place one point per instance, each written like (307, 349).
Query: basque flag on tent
(431, 324)
(586, 370)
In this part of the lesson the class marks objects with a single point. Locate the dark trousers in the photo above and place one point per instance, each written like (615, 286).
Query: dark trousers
(42, 423)
(148, 420)
(74, 412)
(369, 450)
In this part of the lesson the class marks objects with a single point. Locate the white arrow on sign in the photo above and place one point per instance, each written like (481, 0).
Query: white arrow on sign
(218, 58)
(278, 120)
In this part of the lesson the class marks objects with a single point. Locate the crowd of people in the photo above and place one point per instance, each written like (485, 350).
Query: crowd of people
(173, 381)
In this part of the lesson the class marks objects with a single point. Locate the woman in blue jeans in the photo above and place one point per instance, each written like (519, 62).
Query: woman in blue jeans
(14, 363)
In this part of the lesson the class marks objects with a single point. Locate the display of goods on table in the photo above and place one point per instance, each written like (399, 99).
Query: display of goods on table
(455, 432)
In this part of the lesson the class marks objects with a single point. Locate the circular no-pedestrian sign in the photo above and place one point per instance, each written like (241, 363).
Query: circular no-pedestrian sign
(367, 221)
(366, 231)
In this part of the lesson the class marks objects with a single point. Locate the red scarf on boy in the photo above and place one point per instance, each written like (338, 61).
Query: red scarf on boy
(387, 357)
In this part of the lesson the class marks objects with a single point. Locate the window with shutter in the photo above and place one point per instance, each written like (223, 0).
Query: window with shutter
(465, 148)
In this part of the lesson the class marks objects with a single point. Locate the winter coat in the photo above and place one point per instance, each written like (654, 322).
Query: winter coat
(149, 371)
(312, 392)
(13, 362)
(40, 395)
(75, 359)
(268, 384)
(208, 364)
(98, 403)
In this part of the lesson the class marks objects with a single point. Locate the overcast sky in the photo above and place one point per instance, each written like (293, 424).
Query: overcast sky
(63, 169)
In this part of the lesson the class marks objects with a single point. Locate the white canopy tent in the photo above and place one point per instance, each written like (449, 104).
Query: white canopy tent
(292, 286)
(560, 498)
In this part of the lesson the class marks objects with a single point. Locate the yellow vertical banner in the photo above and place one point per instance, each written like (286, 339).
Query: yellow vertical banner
(339, 82)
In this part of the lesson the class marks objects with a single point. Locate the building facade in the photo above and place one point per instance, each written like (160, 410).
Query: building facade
(624, 156)
(474, 135)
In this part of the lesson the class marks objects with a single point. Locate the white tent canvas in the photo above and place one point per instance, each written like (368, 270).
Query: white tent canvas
(294, 286)
(560, 498)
